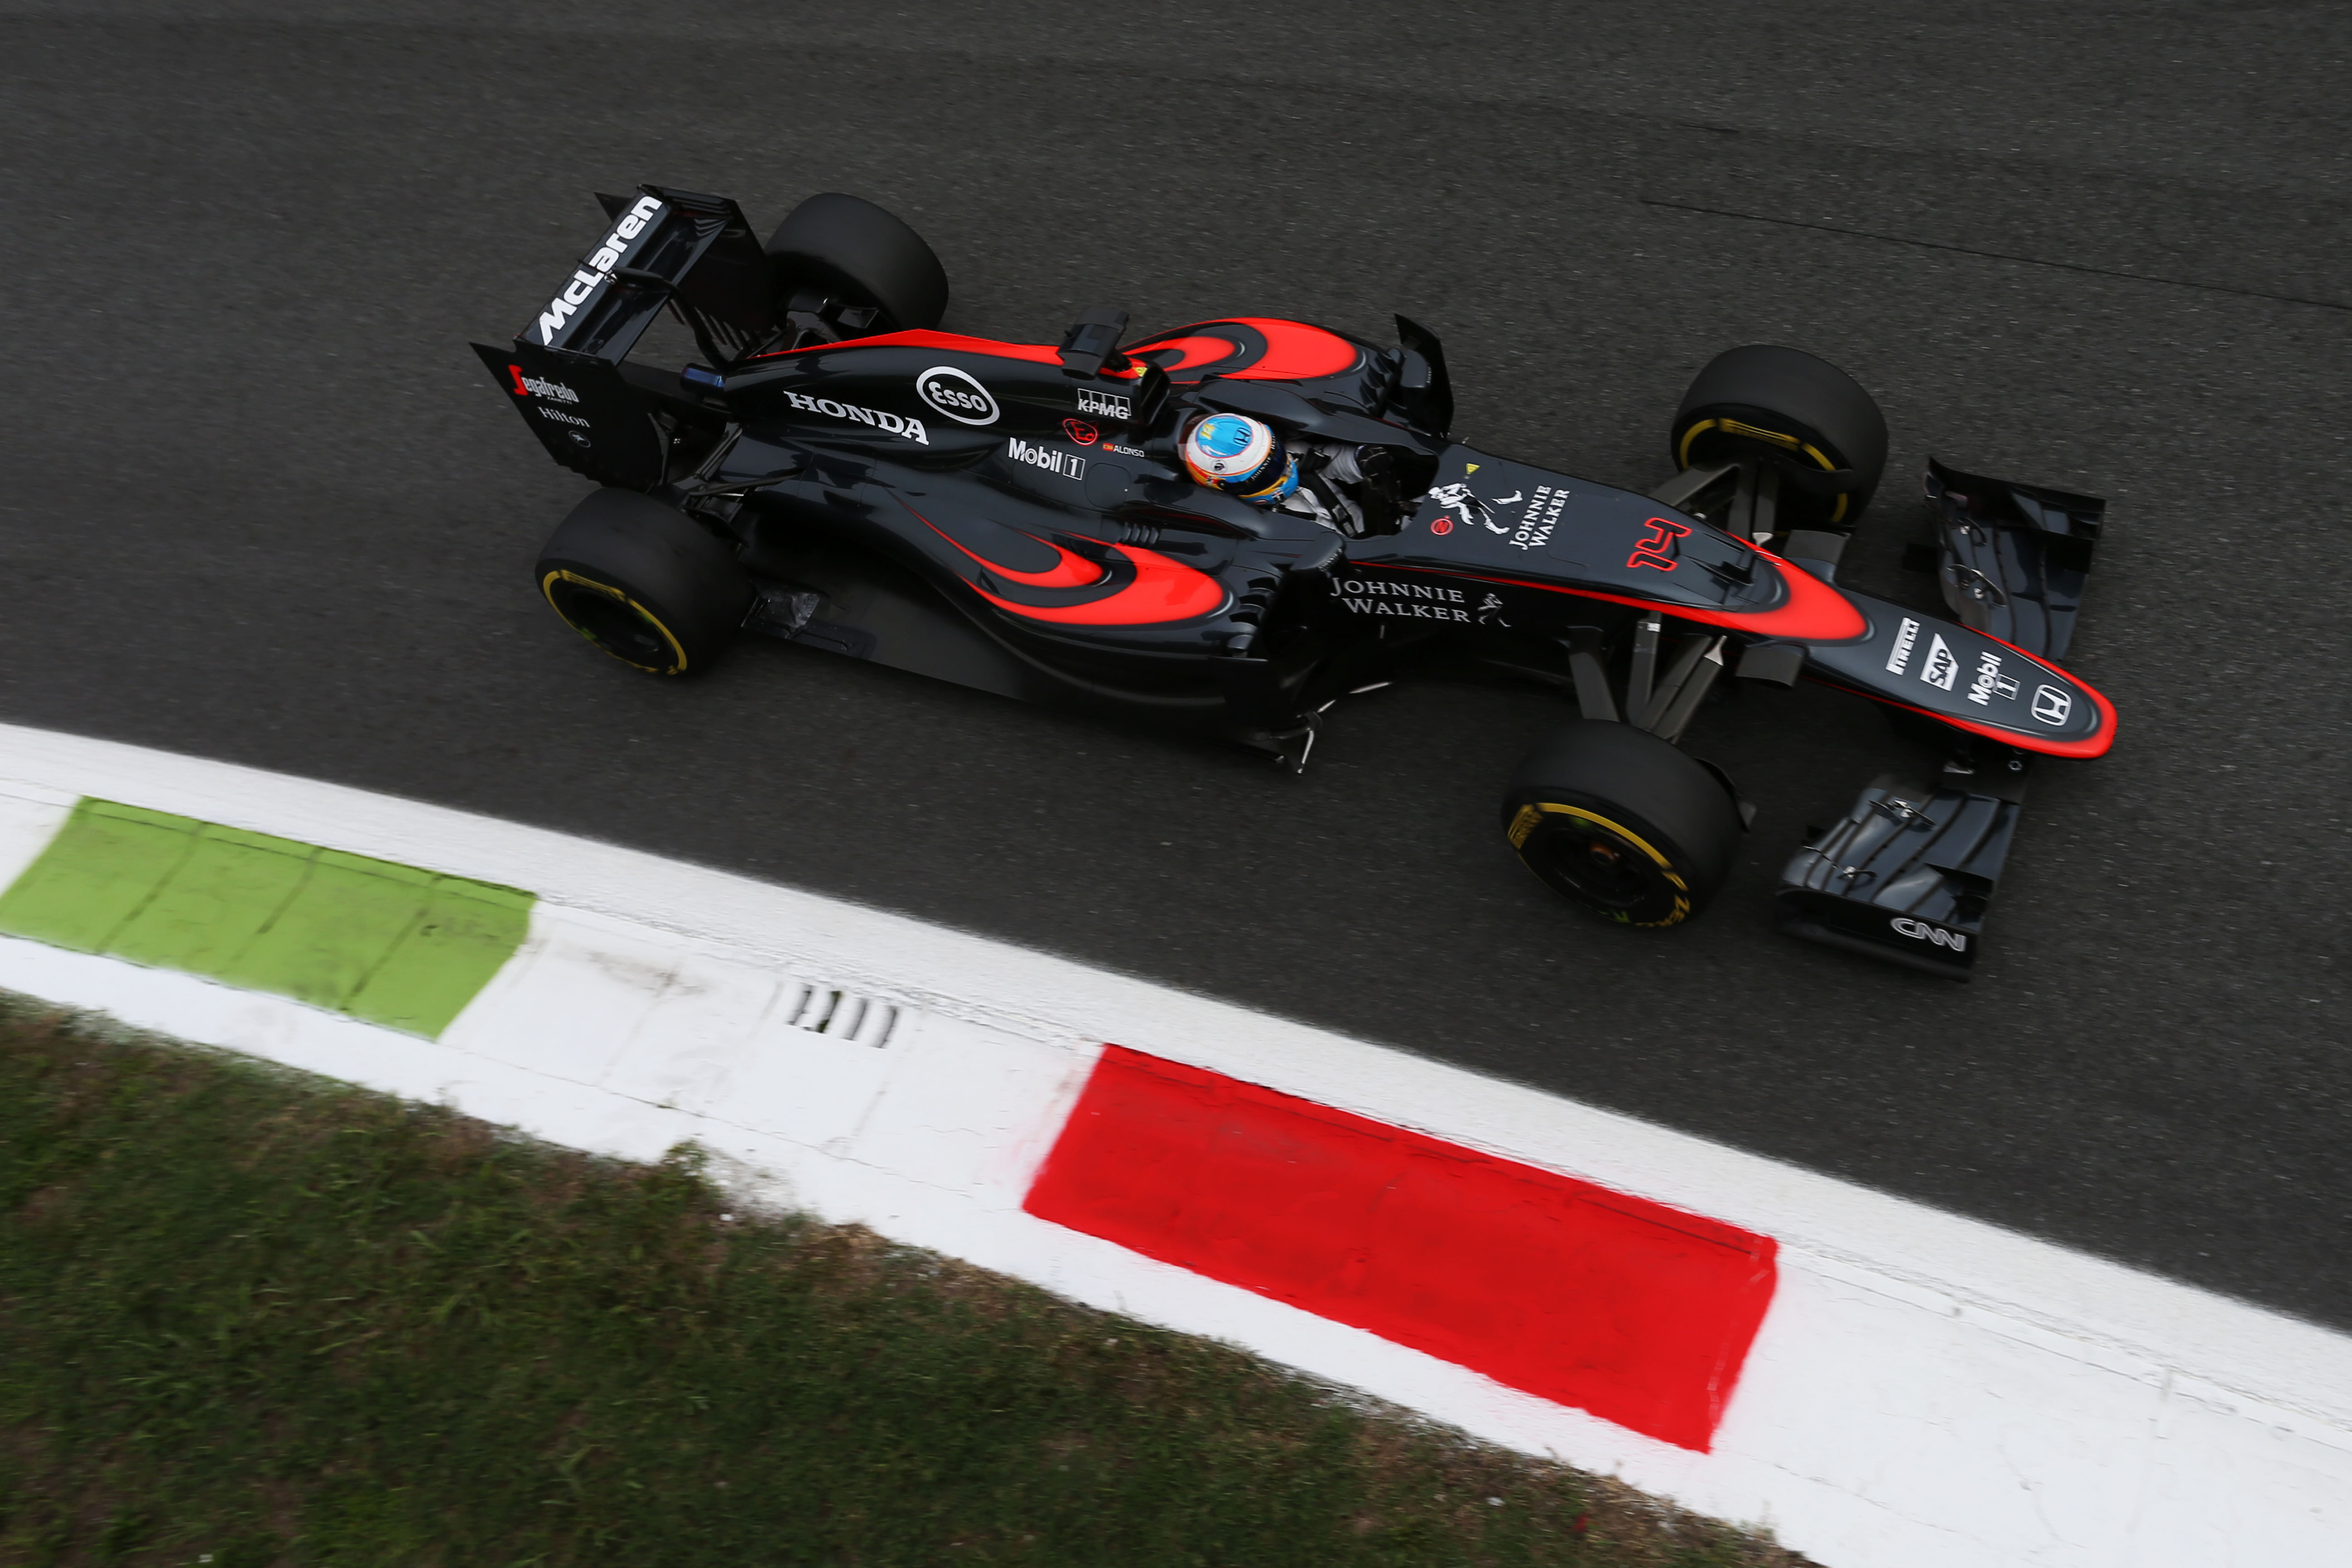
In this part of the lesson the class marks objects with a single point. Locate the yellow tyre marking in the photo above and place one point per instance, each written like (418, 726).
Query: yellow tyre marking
(1523, 826)
(1682, 453)
(1734, 427)
(547, 587)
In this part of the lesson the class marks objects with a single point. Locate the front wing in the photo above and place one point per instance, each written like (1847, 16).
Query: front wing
(1908, 873)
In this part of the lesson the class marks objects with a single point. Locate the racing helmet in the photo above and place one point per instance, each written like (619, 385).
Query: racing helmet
(1241, 457)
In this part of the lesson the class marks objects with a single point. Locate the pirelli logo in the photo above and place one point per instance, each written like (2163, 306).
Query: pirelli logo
(1906, 637)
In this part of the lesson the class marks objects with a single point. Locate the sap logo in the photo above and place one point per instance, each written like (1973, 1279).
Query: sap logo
(1654, 548)
(1103, 405)
(1906, 636)
(1069, 465)
(896, 423)
(2051, 705)
(1920, 930)
(532, 386)
(1943, 666)
(599, 270)
(1989, 680)
(956, 395)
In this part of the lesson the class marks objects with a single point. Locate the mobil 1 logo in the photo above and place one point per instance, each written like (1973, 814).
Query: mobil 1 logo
(1995, 681)
(1053, 459)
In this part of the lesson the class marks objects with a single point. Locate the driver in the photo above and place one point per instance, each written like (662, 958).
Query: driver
(1241, 457)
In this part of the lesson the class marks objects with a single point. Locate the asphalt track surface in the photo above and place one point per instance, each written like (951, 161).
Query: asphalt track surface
(260, 503)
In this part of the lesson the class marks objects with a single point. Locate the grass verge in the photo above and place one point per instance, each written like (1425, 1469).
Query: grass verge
(249, 1318)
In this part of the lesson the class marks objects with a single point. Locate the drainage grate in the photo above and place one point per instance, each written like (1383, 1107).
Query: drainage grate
(844, 1014)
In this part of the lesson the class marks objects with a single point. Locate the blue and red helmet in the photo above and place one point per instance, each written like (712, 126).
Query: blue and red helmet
(1241, 457)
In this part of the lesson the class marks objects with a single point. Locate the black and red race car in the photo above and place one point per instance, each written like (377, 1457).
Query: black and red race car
(838, 472)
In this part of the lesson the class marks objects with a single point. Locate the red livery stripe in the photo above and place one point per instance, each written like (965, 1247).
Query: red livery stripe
(1814, 612)
(1296, 352)
(1250, 348)
(1638, 1313)
(1194, 351)
(918, 338)
(2094, 744)
(1070, 569)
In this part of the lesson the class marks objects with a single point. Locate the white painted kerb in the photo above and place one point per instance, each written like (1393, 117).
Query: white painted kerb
(1927, 1391)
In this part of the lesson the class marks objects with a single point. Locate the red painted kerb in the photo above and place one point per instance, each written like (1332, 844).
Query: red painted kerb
(1637, 1312)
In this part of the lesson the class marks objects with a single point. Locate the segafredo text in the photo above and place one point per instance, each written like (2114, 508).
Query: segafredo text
(599, 269)
(896, 423)
(1410, 601)
(532, 387)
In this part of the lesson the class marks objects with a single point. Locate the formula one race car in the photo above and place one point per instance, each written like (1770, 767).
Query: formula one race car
(1031, 520)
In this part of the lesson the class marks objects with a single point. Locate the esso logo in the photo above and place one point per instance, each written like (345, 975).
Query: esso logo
(956, 395)
(1920, 930)
(1080, 432)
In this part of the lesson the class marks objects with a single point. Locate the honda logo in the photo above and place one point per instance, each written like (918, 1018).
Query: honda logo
(2051, 705)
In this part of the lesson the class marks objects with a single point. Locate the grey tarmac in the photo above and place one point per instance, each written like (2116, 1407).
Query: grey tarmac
(261, 504)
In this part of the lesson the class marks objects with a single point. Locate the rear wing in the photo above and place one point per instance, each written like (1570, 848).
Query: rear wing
(665, 247)
(666, 250)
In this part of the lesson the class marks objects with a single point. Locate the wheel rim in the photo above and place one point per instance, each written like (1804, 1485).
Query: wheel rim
(1724, 428)
(614, 622)
(1600, 864)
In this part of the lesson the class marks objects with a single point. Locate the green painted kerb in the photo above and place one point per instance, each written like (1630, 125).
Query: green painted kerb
(382, 941)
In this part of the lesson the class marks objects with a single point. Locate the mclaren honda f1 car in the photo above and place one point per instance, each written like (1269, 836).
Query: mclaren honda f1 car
(1019, 517)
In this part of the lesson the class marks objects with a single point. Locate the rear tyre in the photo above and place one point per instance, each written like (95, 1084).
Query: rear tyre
(1762, 400)
(851, 248)
(1623, 822)
(644, 582)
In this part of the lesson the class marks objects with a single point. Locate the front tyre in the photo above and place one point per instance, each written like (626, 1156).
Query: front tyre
(1767, 401)
(644, 582)
(1623, 822)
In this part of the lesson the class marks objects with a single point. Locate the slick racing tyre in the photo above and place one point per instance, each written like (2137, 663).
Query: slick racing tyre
(1763, 401)
(1623, 822)
(853, 248)
(644, 582)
